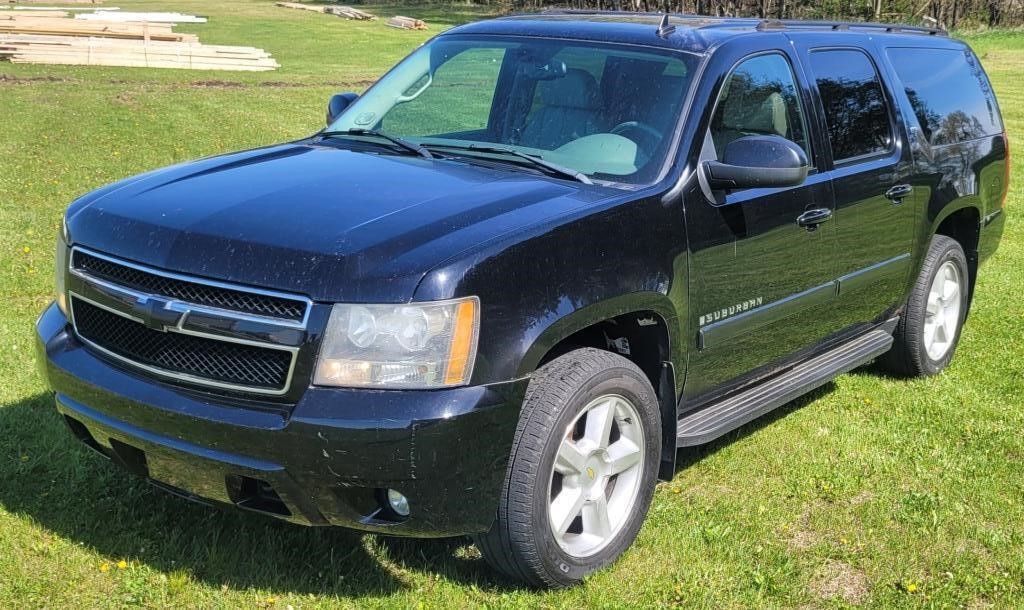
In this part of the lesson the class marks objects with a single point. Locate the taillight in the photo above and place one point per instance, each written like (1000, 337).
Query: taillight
(1006, 176)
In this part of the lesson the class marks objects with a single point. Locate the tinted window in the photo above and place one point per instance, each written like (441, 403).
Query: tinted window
(949, 93)
(855, 107)
(605, 110)
(759, 98)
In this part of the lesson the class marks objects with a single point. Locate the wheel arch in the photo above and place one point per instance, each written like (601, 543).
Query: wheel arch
(641, 327)
(963, 224)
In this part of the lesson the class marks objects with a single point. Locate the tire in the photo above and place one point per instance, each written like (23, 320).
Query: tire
(914, 353)
(565, 403)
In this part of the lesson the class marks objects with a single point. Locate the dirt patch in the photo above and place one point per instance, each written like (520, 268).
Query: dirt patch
(804, 536)
(803, 539)
(216, 84)
(10, 79)
(861, 498)
(838, 580)
(273, 84)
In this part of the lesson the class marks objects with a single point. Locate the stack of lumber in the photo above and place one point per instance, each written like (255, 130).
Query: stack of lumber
(349, 13)
(121, 16)
(57, 8)
(406, 23)
(52, 14)
(15, 23)
(129, 39)
(63, 1)
(76, 50)
(341, 11)
(302, 7)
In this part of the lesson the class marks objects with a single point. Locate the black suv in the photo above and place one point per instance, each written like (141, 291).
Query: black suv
(502, 286)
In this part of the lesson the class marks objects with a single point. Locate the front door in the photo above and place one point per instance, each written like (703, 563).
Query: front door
(760, 284)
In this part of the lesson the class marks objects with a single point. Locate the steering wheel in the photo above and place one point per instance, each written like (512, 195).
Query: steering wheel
(649, 136)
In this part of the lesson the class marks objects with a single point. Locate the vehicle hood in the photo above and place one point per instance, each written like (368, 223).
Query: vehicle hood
(327, 222)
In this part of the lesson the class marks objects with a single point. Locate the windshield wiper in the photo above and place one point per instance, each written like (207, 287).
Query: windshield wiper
(407, 146)
(532, 160)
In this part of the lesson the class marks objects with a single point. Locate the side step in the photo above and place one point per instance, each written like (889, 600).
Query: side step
(713, 421)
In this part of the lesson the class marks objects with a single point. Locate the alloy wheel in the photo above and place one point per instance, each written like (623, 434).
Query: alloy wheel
(942, 313)
(596, 476)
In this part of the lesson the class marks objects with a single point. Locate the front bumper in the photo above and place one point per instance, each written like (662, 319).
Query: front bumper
(327, 461)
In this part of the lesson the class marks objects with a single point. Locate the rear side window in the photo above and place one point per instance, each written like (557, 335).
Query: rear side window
(949, 93)
(856, 112)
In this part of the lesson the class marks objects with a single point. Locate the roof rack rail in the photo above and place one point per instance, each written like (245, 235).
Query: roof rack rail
(791, 24)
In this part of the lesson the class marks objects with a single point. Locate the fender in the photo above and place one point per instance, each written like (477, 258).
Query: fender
(557, 329)
(951, 208)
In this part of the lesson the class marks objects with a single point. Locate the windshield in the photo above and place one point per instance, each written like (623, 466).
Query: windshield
(607, 111)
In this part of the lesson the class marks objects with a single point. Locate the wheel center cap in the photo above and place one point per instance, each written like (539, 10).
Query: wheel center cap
(593, 471)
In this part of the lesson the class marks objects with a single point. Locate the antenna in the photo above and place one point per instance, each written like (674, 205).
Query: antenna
(664, 28)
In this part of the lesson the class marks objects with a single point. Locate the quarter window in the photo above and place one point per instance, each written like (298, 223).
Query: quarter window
(759, 98)
(949, 93)
(856, 112)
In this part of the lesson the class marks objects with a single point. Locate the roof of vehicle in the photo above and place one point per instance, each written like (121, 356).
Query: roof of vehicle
(695, 33)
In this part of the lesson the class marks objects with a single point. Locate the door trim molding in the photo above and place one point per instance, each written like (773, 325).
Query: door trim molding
(867, 276)
(722, 331)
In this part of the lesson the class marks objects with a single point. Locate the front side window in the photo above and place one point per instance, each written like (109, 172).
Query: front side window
(607, 111)
(759, 97)
(851, 94)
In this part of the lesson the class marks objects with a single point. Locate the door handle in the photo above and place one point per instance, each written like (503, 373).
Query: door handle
(812, 218)
(898, 192)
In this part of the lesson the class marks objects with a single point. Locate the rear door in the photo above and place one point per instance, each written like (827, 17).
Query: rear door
(870, 166)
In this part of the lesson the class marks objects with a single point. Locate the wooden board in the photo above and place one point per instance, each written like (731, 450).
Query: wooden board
(28, 48)
(349, 13)
(302, 7)
(48, 1)
(71, 27)
(341, 11)
(406, 23)
(123, 16)
(20, 14)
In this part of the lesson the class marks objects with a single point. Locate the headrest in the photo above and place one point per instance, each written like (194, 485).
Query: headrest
(577, 89)
(746, 113)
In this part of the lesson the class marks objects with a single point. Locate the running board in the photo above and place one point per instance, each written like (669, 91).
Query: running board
(720, 418)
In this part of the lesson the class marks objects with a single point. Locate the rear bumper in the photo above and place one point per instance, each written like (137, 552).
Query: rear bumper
(325, 462)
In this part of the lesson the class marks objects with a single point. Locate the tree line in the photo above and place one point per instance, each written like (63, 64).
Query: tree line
(948, 14)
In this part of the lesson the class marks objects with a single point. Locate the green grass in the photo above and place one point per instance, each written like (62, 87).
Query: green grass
(875, 491)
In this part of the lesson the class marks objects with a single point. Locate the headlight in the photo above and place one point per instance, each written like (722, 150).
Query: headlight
(60, 270)
(416, 345)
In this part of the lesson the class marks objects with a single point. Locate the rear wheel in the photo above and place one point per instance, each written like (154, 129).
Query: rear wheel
(929, 330)
(582, 471)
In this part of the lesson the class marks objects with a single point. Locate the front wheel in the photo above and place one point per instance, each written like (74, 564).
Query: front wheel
(582, 471)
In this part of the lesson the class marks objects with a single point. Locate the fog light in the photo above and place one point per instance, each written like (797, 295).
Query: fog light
(399, 503)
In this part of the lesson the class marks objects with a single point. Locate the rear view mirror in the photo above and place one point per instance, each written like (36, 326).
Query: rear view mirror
(339, 102)
(758, 162)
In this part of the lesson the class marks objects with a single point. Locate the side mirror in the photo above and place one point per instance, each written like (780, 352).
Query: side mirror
(758, 162)
(339, 102)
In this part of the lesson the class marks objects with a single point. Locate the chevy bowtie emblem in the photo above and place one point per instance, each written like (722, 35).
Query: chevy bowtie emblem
(156, 313)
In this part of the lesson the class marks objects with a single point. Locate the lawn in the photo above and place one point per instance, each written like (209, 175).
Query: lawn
(872, 491)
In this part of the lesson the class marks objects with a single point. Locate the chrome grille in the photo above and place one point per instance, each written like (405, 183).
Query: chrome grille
(190, 291)
(186, 329)
(209, 359)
